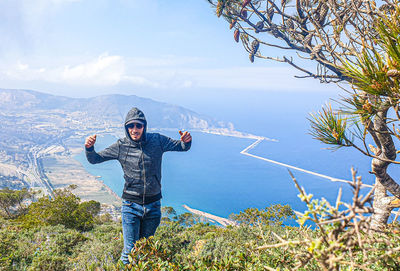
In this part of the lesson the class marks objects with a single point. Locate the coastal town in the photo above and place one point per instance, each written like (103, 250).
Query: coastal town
(39, 140)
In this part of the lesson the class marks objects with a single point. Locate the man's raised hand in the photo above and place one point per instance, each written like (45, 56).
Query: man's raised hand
(90, 140)
(185, 137)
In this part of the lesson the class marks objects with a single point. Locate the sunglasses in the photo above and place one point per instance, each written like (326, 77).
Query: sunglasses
(132, 125)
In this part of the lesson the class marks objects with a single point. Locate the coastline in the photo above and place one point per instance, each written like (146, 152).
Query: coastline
(221, 132)
(86, 192)
(64, 170)
(221, 220)
(109, 190)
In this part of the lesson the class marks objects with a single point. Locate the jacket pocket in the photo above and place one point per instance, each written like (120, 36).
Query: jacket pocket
(133, 186)
(153, 185)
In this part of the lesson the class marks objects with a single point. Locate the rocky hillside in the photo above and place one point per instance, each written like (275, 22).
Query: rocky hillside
(112, 108)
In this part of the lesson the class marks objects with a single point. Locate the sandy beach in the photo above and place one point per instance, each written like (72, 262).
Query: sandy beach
(64, 170)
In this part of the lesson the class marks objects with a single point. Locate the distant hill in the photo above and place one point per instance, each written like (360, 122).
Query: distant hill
(108, 107)
(34, 125)
(31, 121)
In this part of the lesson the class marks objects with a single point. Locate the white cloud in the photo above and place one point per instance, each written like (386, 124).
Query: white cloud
(168, 72)
(21, 72)
(141, 81)
(22, 67)
(105, 70)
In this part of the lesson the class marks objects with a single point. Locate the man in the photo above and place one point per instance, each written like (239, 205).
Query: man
(140, 154)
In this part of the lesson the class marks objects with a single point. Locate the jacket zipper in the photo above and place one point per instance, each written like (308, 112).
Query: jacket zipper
(144, 172)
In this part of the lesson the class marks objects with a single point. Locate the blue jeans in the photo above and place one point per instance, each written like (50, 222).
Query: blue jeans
(138, 221)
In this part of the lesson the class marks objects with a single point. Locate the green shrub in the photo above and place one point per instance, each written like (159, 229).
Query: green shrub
(210, 247)
(261, 241)
(64, 209)
(47, 261)
(102, 249)
(11, 202)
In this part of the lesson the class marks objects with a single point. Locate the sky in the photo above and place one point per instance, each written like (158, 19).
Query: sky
(153, 48)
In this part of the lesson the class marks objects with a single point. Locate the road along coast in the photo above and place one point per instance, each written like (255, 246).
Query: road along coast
(332, 179)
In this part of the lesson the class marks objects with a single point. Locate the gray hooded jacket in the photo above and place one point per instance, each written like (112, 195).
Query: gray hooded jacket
(140, 160)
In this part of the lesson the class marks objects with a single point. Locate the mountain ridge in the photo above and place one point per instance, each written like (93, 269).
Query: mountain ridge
(111, 107)
(42, 132)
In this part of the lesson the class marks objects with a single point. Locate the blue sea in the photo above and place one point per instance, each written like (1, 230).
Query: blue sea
(214, 177)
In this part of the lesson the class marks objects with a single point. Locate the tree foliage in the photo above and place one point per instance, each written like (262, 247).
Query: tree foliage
(64, 209)
(262, 240)
(354, 43)
(11, 201)
(273, 215)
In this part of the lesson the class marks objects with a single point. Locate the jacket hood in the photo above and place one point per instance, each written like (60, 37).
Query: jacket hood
(135, 114)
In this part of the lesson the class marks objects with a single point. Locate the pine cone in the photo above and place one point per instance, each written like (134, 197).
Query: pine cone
(251, 57)
(243, 14)
(254, 46)
(220, 7)
(323, 13)
(259, 26)
(236, 35)
(245, 3)
(233, 22)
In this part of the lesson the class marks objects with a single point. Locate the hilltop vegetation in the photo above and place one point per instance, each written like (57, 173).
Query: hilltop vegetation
(65, 234)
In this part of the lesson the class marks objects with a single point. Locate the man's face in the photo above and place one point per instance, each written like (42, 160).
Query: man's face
(135, 131)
